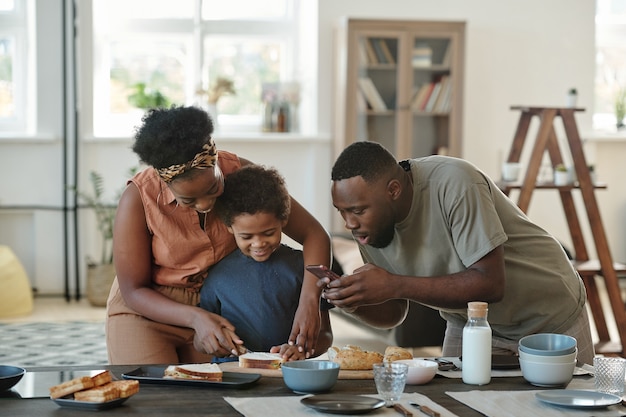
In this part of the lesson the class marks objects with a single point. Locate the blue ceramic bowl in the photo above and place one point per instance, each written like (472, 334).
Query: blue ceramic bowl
(9, 376)
(310, 376)
(547, 344)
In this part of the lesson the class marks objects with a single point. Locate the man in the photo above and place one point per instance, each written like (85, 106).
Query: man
(438, 231)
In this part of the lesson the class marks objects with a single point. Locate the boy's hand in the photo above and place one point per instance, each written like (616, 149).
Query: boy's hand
(288, 352)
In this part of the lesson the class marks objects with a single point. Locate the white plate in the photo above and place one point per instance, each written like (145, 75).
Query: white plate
(578, 398)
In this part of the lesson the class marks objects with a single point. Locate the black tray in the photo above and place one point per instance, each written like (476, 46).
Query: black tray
(154, 375)
(85, 405)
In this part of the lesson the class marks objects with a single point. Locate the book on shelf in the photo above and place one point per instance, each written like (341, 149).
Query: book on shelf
(378, 49)
(423, 100)
(422, 55)
(386, 51)
(371, 53)
(371, 94)
(361, 102)
(444, 91)
(420, 96)
(433, 97)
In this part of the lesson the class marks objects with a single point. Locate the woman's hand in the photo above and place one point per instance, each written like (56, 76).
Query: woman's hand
(288, 352)
(215, 335)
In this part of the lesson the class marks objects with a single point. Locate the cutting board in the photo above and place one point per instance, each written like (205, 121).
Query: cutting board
(277, 373)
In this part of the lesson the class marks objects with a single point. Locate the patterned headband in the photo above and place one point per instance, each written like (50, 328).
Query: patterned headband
(207, 158)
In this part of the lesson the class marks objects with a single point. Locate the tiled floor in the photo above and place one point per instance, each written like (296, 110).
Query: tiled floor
(55, 309)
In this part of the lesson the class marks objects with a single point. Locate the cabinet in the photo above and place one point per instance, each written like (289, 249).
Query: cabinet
(400, 83)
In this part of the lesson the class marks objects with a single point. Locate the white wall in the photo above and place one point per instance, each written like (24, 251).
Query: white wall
(517, 52)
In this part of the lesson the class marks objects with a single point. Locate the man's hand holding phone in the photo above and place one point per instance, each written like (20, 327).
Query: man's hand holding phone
(322, 271)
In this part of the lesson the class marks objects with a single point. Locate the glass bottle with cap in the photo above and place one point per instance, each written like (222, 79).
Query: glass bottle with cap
(476, 359)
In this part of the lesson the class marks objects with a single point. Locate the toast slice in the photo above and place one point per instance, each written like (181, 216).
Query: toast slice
(102, 378)
(126, 387)
(261, 360)
(194, 371)
(101, 394)
(71, 386)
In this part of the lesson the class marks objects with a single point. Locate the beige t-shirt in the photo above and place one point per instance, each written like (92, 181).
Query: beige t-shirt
(458, 215)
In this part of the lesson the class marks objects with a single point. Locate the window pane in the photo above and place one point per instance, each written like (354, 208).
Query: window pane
(143, 9)
(7, 5)
(7, 101)
(249, 62)
(139, 68)
(244, 10)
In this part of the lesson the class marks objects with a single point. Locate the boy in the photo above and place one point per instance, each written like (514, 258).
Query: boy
(257, 287)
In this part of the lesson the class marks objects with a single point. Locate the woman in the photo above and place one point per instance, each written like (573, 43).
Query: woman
(166, 238)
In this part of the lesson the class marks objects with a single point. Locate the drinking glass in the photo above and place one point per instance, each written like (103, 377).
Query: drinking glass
(390, 379)
(609, 375)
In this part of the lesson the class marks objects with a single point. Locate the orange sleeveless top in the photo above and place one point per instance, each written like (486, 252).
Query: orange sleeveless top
(182, 251)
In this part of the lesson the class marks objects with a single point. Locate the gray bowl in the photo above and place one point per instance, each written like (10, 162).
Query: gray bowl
(310, 376)
(9, 376)
(547, 344)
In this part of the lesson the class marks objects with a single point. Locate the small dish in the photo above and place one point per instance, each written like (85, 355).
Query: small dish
(9, 376)
(342, 403)
(578, 398)
(86, 405)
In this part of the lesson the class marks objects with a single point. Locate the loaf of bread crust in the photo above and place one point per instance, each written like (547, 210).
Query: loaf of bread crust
(354, 358)
(395, 353)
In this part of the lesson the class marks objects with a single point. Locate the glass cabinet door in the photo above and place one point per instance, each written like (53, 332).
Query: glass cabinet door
(377, 84)
(431, 102)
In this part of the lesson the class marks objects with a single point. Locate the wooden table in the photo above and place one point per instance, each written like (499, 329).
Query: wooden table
(167, 400)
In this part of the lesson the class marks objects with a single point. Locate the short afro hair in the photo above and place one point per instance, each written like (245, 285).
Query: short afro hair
(253, 189)
(369, 160)
(172, 136)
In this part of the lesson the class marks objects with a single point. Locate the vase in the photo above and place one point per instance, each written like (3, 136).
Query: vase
(212, 110)
(561, 178)
(570, 100)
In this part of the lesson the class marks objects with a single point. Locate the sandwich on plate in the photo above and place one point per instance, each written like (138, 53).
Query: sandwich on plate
(194, 371)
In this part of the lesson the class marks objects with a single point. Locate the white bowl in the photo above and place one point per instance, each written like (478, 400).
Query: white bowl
(545, 374)
(548, 344)
(421, 371)
(549, 359)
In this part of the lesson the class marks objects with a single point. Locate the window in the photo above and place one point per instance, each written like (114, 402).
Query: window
(16, 65)
(610, 60)
(177, 50)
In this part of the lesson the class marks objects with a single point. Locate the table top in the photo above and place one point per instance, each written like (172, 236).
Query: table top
(171, 400)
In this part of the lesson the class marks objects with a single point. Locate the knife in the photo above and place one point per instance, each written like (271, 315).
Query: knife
(426, 410)
(400, 409)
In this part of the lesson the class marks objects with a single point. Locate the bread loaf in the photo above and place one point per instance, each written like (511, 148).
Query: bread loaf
(395, 353)
(354, 358)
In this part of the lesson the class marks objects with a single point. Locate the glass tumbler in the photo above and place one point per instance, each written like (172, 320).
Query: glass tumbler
(390, 379)
(609, 375)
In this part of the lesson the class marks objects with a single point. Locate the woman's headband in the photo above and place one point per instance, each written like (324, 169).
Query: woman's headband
(207, 158)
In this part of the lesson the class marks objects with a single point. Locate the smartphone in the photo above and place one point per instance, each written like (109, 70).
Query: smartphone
(322, 271)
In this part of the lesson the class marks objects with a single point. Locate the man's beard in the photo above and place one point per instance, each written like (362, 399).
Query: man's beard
(383, 237)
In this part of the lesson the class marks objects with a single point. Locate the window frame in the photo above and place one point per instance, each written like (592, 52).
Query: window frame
(288, 32)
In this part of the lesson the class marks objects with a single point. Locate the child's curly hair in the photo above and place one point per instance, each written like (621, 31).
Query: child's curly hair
(253, 189)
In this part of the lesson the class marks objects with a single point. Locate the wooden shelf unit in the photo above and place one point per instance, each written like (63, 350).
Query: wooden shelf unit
(383, 64)
(602, 268)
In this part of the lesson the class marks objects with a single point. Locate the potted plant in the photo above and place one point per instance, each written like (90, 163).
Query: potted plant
(146, 98)
(222, 86)
(100, 272)
(561, 175)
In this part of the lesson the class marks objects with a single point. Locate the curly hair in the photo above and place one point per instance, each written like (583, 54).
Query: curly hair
(172, 136)
(253, 189)
(369, 160)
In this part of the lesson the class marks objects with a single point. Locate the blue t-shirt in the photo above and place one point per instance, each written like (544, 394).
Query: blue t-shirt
(259, 298)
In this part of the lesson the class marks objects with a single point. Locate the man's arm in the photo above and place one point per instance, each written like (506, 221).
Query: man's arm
(372, 286)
